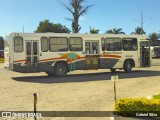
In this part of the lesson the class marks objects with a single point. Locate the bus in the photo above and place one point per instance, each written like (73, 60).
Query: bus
(155, 51)
(59, 53)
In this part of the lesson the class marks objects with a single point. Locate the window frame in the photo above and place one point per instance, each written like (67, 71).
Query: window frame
(58, 44)
(19, 44)
(76, 44)
(104, 44)
(47, 44)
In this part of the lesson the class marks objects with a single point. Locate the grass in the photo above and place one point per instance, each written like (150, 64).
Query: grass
(156, 96)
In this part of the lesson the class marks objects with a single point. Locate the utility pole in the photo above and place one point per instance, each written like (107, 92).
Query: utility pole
(141, 19)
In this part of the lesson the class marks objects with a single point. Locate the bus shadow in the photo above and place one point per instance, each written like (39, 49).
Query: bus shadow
(87, 77)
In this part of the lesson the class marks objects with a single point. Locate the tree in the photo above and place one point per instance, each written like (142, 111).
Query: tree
(58, 28)
(93, 30)
(115, 31)
(154, 38)
(76, 8)
(139, 31)
(47, 26)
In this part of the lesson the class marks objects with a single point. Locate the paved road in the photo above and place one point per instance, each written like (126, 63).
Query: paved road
(79, 91)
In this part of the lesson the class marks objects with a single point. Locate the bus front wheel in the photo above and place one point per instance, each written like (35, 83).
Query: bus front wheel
(60, 69)
(127, 66)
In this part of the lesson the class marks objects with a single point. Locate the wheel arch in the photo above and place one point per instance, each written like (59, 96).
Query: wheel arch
(61, 62)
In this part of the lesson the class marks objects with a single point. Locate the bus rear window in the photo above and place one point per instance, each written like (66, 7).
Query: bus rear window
(18, 44)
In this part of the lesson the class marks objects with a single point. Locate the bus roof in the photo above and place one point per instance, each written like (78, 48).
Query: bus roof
(75, 35)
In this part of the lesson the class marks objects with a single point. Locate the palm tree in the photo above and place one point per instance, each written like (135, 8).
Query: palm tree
(76, 8)
(115, 31)
(139, 31)
(93, 30)
(154, 38)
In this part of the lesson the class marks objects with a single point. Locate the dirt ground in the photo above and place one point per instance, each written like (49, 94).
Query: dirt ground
(78, 91)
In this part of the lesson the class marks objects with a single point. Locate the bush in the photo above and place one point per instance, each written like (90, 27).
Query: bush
(131, 106)
(156, 96)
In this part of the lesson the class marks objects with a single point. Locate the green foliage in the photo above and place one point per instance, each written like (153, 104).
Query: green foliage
(130, 106)
(94, 31)
(115, 31)
(47, 26)
(139, 31)
(154, 39)
(77, 9)
(156, 96)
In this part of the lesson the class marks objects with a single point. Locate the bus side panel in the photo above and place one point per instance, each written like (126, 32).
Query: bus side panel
(107, 63)
(79, 64)
(19, 62)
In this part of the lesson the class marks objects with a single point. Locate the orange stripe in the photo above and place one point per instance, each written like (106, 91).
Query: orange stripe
(19, 61)
(63, 57)
(114, 56)
(50, 59)
(68, 60)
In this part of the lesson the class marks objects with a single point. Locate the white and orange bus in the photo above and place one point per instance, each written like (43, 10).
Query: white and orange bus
(57, 53)
(155, 51)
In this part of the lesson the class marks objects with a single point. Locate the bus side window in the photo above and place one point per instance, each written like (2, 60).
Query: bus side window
(130, 44)
(18, 44)
(44, 44)
(113, 44)
(134, 44)
(58, 44)
(75, 44)
(103, 44)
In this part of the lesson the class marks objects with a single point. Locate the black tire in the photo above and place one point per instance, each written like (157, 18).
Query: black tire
(60, 69)
(49, 74)
(127, 66)
(113, 70)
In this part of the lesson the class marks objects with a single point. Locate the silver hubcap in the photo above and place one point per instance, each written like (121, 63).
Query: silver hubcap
(129, 66)
(60, 70)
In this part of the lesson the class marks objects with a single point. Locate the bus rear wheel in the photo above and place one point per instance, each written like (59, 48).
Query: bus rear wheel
(127, 66)
(60, 69)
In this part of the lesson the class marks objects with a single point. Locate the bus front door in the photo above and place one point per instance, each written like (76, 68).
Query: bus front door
(145, 54)
(32, 56)
(92, 54)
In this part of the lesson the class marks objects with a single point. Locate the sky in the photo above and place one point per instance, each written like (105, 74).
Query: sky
(104, 15)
